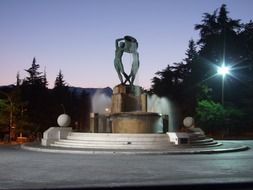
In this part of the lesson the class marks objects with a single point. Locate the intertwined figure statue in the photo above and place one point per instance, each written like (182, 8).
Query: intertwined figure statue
(127, 44)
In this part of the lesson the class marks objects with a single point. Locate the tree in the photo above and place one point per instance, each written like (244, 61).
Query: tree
(246, 39)
(226, 41)
(35, 77)
(208, 28)
(61, 91)
(193, 74)
(18, 83)
(214, 25)
(35, 93)
(220, 44)
(246, 35)
(180, 81)
(162, 85)
(44, 79)
(215, 119)
(4, 116)
(218, 39)
(59, 81)
(10, 109)
(227, 25)
(223, 40)
(210, 115)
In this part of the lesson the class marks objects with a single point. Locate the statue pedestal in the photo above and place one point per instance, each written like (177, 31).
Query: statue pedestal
(128, 98)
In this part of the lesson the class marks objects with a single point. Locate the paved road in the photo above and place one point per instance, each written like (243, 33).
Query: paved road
(22, 169)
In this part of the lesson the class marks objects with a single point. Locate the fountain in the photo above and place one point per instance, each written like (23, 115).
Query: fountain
(130, 119)
(130, 111)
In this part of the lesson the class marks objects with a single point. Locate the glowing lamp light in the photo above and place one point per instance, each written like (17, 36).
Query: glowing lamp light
(223, 70)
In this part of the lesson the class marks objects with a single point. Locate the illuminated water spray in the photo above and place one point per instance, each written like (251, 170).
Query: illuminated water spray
(100, 103)
(163, 106)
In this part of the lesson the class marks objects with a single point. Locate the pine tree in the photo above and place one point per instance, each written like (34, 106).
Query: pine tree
(35, 92)
(59, 81)
(194, 70)
(18, 79)
(35, 78)
(44, 78)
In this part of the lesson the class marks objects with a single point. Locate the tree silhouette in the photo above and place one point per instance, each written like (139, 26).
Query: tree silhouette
(59, 81)
(35, 93)
(61, 95)
(35, 77)
(180, 81)
(214, 26)
(18, 83)
(208, 28)
(44, 79)
(222, 40)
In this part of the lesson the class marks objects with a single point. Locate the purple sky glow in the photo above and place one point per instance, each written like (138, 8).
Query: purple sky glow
(78, 36)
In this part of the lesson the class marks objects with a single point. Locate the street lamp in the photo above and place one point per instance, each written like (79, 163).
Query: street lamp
(223, 71)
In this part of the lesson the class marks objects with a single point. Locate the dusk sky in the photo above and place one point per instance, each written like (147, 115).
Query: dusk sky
(78, 36)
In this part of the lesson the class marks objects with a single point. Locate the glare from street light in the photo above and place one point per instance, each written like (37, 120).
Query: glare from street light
(223, 70)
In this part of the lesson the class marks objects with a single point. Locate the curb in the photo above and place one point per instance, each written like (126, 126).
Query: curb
(186, 150)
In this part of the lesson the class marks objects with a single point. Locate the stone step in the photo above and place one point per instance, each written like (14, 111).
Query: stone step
(204, 143)
(215, 144)
(114, 141)
(195, 141)
(197, 137)
(139, 135)
(110, 146)
(117, 137)
(125, 141)
(142, 139)
(162, 141)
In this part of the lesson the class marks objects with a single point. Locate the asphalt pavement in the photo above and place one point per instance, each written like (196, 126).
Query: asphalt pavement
(24, 169)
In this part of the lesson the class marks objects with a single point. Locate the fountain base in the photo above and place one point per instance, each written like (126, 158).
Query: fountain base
(134, 122)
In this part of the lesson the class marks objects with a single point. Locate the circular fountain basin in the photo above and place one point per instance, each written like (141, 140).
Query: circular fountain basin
(134, 122)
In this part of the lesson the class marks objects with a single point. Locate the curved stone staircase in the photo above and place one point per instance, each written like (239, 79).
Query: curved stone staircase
(124, 141)
(200, 140)
(118, 141)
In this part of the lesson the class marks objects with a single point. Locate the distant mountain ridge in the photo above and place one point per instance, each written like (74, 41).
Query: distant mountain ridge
(91, 91)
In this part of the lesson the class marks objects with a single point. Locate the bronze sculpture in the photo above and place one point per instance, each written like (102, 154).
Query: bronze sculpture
(127, 44)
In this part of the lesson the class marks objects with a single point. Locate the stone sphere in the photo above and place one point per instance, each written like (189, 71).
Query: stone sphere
(63, 120)
(188, 122)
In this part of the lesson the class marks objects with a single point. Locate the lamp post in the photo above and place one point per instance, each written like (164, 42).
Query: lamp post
(223, 71)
